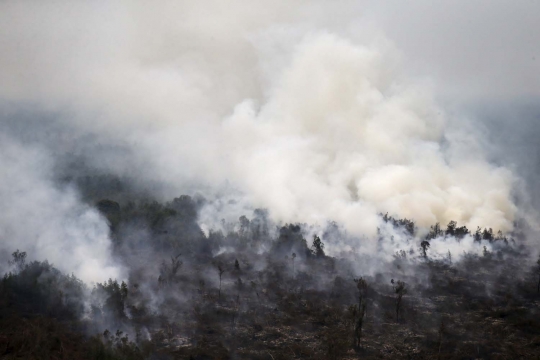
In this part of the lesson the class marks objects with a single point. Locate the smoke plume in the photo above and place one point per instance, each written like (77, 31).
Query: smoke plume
(50, 222)
(313, 110)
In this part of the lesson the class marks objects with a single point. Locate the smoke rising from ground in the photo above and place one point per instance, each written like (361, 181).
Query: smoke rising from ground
(343, 140)
(308, 110)
(47, 221)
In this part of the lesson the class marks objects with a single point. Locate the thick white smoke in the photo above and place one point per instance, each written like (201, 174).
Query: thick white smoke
(49, 222)
(341, 138)
(302, 107)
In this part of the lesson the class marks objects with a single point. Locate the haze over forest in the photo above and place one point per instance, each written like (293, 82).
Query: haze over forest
(228, 180)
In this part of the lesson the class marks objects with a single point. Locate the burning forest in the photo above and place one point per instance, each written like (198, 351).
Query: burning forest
(269, 180)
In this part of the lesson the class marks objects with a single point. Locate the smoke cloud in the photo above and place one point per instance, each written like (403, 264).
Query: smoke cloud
(47, 221)
(315, 111)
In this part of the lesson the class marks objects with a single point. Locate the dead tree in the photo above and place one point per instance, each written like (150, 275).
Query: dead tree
(236, 310)
(424, 245)
(254, 287)
(239, 285)
(359, 311)
(441, 332)
(168, 272)
(221, 271)
(293, 257)
(399, 290)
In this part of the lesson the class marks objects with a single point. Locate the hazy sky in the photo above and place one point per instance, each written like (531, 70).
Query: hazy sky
(473, 49)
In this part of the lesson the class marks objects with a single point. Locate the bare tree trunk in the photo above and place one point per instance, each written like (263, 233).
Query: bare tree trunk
(441, 330)
(358, 327)
(360, 320)
(440, 345)
(398, 305)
